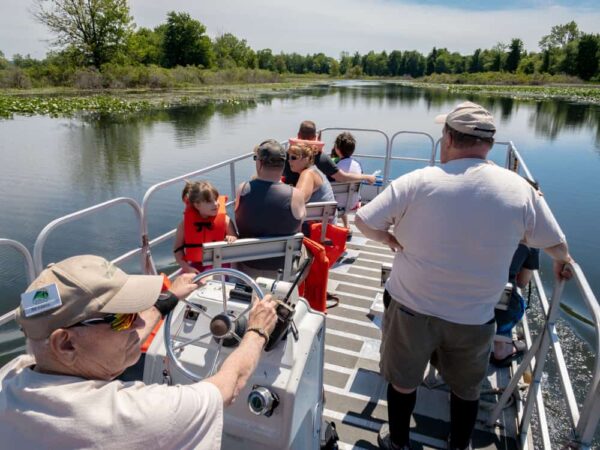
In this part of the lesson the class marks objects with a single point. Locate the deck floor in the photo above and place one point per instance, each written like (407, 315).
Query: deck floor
(355, 394)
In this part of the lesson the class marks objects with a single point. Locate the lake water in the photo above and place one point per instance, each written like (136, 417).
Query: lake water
(51, 167)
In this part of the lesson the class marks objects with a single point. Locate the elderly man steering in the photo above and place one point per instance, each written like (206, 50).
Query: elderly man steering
(84, 320)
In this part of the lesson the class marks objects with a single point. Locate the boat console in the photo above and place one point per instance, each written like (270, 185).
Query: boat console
(281, 405)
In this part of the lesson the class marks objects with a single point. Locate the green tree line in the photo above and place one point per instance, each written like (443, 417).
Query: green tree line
(97, 45)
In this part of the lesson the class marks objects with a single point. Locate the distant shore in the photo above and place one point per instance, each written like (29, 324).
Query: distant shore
(69, 101)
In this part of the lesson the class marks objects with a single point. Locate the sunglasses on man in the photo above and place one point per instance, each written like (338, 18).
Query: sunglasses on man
(117, 322)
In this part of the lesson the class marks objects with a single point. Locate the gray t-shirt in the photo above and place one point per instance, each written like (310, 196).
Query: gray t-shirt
(39, 410)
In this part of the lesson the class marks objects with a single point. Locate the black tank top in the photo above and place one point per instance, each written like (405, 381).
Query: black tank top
(265, 210)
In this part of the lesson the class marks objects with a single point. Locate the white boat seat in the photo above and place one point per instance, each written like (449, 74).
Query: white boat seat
(322, 212)
(218, 253)
(343, 193)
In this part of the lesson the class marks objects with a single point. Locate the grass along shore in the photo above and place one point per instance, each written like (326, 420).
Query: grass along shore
(576, 93)
(66, 102)
(57, 102)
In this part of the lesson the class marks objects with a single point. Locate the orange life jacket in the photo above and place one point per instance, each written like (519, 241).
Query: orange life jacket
(317, 144)
(197, 230)
(335, 237)
(146, 345)
(314, 287)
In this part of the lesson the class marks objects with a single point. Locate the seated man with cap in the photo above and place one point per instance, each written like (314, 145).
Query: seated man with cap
(266, 207)
(84, 320)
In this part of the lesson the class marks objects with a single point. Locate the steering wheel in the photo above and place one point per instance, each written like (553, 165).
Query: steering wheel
(224, 326)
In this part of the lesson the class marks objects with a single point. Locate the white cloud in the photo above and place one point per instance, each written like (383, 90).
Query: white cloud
(330, 26)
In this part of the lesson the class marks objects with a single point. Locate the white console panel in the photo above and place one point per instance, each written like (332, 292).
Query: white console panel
(293, 371)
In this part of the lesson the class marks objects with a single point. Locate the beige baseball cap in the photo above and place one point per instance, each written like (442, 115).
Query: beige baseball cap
(89, 286)
(469, 118)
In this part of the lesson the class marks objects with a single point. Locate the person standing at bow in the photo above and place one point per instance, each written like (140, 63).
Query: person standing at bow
(204, 220)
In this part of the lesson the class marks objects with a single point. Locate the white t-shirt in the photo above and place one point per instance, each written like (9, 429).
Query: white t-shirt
(459, 224)
(350, 165)
(42, 411)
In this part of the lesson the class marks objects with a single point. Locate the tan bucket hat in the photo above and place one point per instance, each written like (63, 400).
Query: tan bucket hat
(89, 286)
(469, 118)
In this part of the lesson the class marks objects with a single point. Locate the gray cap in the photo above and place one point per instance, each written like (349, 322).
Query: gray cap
(270, 151)
(89, 286)
(469, 118)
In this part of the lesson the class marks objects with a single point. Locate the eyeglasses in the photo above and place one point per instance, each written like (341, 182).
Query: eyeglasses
(294, 157)
(117, 322)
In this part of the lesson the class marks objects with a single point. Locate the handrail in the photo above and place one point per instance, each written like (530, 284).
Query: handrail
(386, 167)
(43, 236)
(16, 245)
(583, 421)
(30, 269)
(431, 160)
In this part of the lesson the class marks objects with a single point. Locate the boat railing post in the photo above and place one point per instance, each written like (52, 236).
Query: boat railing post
(390, 157)
(540, 359)
(386, 164)
(29, 269)
(232, 183)
(590, 412)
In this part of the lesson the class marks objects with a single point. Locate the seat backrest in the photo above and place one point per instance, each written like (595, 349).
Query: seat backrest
(218, 253)
(344, 194)
(321, 212)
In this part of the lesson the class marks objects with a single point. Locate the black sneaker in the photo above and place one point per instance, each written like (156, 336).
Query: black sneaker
(385, 441)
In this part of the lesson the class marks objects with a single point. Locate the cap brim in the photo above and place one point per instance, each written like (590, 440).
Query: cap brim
(441, 118)
(138, 294)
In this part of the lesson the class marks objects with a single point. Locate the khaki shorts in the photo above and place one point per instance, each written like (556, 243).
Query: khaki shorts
(409, 340)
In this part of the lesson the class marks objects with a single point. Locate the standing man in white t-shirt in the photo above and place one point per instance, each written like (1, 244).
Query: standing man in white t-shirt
(455, 228)
(84, 320)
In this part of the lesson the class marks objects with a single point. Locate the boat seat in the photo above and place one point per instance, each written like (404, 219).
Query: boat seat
(343, 193)
(218, 253)
(321, 212)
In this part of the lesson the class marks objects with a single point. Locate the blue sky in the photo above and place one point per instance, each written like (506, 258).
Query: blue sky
(332, 26)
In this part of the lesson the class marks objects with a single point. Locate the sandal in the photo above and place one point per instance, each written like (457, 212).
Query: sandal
(519, 350)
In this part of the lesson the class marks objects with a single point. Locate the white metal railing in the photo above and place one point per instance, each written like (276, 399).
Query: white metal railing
(583, 422)
(30, 270)
(40, 242)
(430, 161)
(368, 156)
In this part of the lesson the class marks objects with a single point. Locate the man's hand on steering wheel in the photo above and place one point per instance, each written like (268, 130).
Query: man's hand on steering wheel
(183, 285)
(263, 315)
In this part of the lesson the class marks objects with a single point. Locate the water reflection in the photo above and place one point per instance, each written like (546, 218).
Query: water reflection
(548, 118)
(105, 153)
(551, 118)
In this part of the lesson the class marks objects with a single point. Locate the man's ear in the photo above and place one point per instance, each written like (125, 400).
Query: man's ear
(61, 345)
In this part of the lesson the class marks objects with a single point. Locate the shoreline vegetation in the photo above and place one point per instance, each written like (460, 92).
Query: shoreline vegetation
(123, 68)
(67, 102)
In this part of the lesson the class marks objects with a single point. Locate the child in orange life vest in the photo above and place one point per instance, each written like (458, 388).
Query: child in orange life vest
(204, 220)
